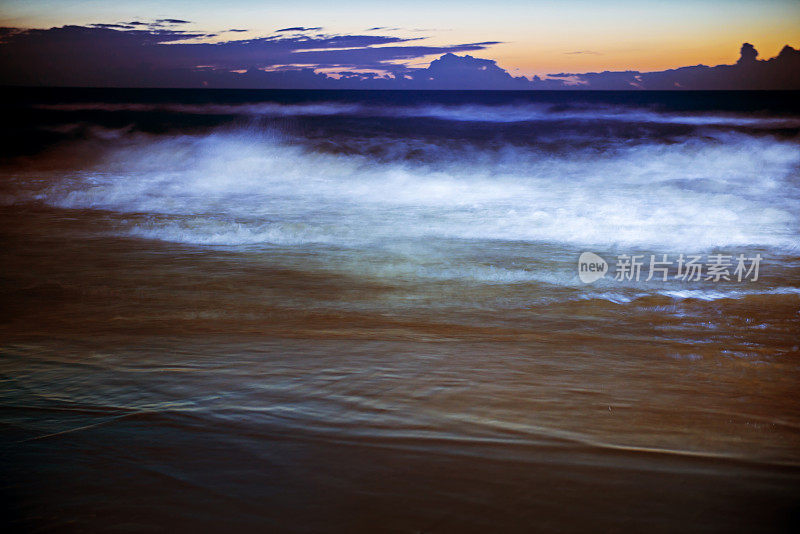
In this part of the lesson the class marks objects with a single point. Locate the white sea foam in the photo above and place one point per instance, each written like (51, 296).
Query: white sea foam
(246, 188)
(707, 294)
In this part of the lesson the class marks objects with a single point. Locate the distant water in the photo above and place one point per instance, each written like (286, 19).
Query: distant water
(336, 311)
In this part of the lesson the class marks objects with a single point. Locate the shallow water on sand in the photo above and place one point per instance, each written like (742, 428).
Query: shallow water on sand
(318, 312)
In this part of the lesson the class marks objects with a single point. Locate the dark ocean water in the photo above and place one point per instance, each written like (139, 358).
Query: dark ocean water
(361, 311)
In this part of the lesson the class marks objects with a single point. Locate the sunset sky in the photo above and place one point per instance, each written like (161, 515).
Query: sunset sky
(536, 37)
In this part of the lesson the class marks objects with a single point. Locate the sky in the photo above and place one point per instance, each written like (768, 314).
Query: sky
(534, 37)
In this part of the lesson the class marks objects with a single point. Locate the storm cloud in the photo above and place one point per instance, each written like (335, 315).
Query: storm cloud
(160, 54)
(116, 55)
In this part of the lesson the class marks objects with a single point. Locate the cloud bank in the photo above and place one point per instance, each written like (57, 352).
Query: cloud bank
(161, 54)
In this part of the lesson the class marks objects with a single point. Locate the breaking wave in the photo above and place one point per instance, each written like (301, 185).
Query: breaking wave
(248, 187)
(379, 200)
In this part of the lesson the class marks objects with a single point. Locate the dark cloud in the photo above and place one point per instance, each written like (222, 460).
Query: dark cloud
(780, 72)
(455, 72)
(589, 52)
(235, 30)
(121, 26)
(299, 29)
(156, 24)
(110, 56)
(747, 54)
(377, 58)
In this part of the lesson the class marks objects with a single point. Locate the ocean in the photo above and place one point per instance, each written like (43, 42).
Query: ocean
(343, 311)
